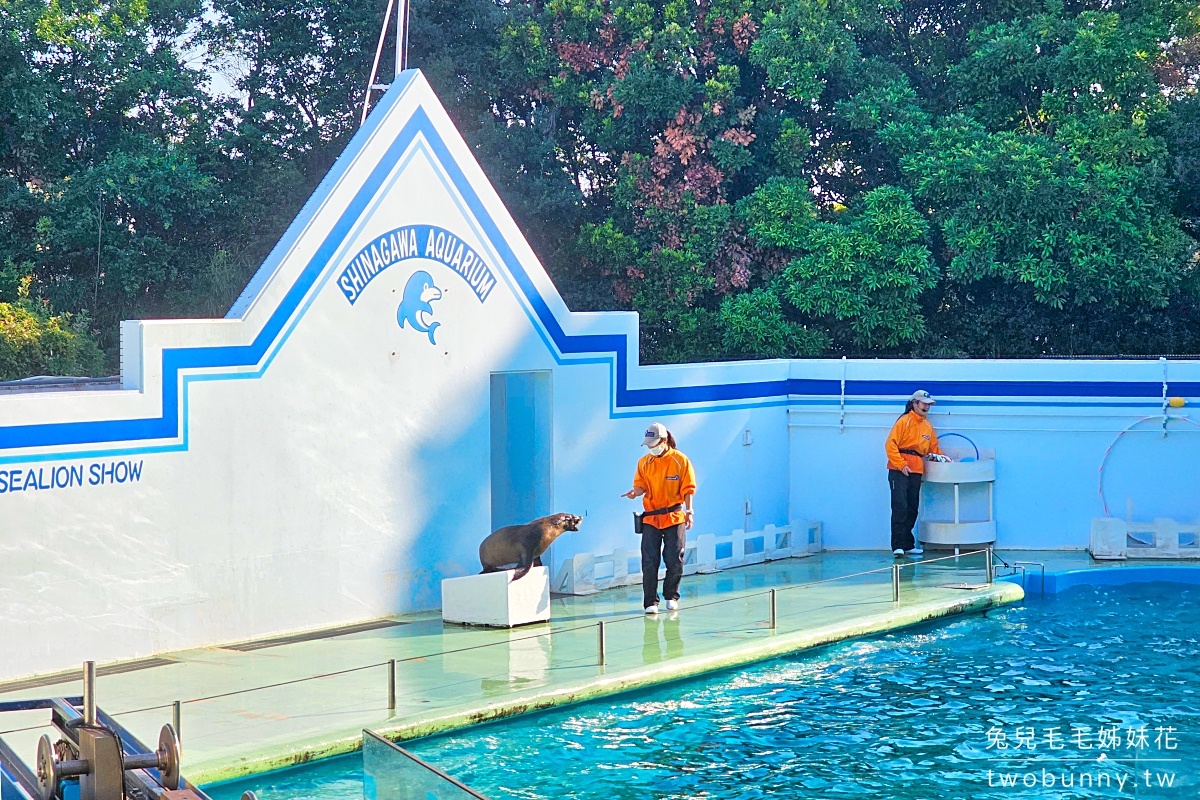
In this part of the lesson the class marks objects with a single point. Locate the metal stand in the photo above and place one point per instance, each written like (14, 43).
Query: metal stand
(108, 761)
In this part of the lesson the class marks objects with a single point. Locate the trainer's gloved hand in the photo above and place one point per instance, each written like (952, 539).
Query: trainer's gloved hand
(938, 457)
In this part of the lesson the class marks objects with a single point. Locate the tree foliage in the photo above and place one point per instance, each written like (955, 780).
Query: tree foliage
(901, 178)
(35, 341)
(755, 178)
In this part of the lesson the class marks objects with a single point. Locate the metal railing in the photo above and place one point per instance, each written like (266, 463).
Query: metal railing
(770, 619)
(1021, 568)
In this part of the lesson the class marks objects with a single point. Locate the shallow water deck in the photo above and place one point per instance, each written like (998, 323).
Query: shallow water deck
(253, 706)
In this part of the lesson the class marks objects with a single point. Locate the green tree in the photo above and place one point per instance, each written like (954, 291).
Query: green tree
(36, 341)
(867, 272)
(102, 137)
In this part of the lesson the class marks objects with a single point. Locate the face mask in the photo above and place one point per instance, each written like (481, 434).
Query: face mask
(658, 449)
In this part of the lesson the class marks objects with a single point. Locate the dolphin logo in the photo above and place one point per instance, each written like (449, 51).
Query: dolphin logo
(415, 308)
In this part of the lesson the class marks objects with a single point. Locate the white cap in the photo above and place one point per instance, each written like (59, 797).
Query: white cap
(922, 396)
(655, 433)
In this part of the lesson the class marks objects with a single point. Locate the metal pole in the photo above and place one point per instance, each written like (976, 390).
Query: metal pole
(177, 719)
(89, 692)
(375, 64)
(774, 611)
(987, 555)
(401, 37)
(842, 417)
(603, 643)
(100, 241)
(895, 583)
(392, 685)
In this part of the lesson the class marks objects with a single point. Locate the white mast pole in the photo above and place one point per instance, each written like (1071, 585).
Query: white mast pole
(375, 65)
(401, 37)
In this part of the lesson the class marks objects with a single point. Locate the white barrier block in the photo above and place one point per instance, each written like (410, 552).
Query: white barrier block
(1116, 539)
(735, 540)
(706, 553)
(497, 600)
(620, 576)
(1189, 538)
(589, 573)
(1167, 539)
(577, 575)
(814, 538)
(1108, 540)
(777, 543)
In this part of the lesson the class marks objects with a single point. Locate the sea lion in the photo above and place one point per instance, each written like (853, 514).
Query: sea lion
(523, 545)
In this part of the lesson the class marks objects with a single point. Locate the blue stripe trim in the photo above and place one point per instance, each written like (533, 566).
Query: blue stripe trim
(613, 348)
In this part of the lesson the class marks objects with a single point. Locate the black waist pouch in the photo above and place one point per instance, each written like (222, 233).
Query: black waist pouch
(637, 518)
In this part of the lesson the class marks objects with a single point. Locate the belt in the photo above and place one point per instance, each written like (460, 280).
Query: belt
(667, 510)
(910, 452)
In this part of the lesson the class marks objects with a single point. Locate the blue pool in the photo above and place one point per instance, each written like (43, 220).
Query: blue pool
(1096, 687)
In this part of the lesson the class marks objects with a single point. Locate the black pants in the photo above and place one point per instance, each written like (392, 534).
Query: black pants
(665, 545)
(906, 498)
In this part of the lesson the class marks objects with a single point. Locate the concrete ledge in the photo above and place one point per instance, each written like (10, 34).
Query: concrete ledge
(414, 726)
(1117, 574)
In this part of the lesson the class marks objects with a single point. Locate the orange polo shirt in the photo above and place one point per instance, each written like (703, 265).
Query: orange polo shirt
(911, 432)
(667, 479)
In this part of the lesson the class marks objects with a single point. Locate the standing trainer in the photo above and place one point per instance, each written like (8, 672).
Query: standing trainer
(666, 483)
(910, 442)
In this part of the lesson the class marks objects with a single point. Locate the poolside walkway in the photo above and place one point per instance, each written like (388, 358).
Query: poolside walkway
(248, 708)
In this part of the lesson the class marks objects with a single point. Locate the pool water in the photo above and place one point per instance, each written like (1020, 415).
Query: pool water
(1097, 687)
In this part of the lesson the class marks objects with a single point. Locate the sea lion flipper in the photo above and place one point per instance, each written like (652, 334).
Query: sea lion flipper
(522, 571)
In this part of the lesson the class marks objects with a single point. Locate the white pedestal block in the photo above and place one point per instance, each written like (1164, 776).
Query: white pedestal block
(497, 600)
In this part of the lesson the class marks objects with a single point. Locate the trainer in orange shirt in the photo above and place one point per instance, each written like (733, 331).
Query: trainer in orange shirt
(666, 483)
(910, 442)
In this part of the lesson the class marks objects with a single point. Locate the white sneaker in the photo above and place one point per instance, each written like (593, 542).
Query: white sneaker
(651, 609)
(916, 551)
(897, 552)
(672, 605)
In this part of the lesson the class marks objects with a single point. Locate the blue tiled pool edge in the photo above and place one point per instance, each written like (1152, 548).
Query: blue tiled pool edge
(1062, 580)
